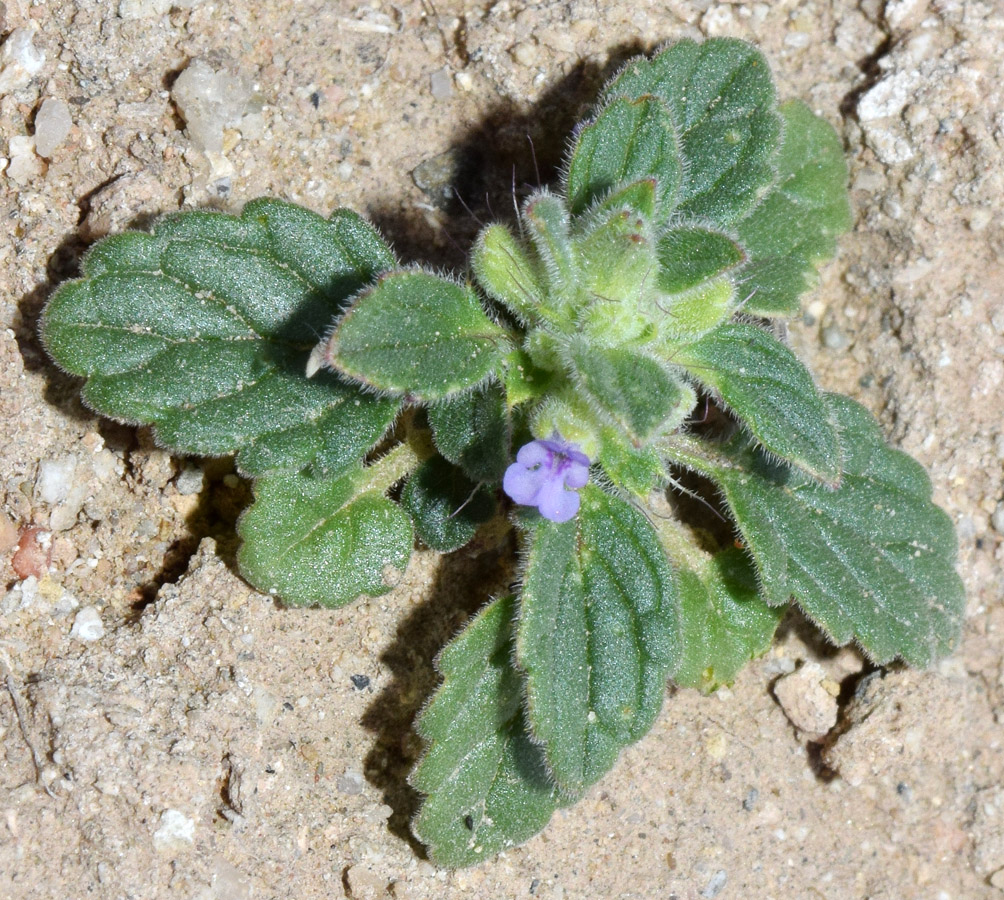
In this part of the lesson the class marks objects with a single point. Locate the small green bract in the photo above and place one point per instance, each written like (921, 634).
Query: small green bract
(573, 366)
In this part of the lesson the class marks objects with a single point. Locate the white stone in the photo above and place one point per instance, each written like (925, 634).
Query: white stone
(24, 164)
(441, 84)
(55, 479)
(807, 703)
(20, 60)
(175, 832)
(889, 96)
(52, 125)
(87, 625)
(211, 101)
(143, 9)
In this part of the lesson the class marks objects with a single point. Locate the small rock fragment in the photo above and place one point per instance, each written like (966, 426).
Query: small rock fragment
(212, 101)
(190, 481)
(176, 831)
(807, 703)
(362, 884)
(55, 479)
(441, 84)
(20, 60)
(33, 554)
(52, 124)
(24, 164)
(143, 9)
(87, 625)
(8, 533)
(350, 783)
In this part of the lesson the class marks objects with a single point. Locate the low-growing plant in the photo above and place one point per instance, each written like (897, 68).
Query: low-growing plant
(564, 386)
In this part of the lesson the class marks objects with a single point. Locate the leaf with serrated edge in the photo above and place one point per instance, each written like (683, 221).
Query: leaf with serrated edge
(689, 257)
(724, 621)
(486, 783)
(203, 329)
(630, 389)
(598, 634)
(445, 505)
(722, 100)
(629, 140)
(472, 431)
(323, 541)
(873, 561)
(416, 334)
(796, 225)
(766, 386)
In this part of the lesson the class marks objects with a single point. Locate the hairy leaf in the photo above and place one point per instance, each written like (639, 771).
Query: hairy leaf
(445, 505)
(689, 257)
(629, 140)
(486, 783)
(598, 634)
(767, 387)
(472, 431)
(323, 541)
(630, 389)
(795, 226)
(203, 330)
(724, 620)
(508, 275)
(722, 100)
(416, 334)
(872, 561)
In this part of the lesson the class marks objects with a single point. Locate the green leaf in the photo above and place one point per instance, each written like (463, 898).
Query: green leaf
(416, 334)
(507, 274)
(630, 389)
(618, 259)
(629, 140)
(689, 257)
(872, 561)
(799, 220)
(722, 100)
(326, 541)
(486, 783)
(472, 430)
(203, 330)
(549, 227)
(767, 387)
(598, 635)
(724, 621)
(445, 505)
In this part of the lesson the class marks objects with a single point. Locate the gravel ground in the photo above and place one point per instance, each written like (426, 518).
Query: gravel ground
(167, 731)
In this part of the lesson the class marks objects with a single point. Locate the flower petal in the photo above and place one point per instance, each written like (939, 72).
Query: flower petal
(523, 484)
(557, 504)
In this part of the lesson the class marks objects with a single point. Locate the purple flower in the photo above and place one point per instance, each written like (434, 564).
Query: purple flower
(547, 475)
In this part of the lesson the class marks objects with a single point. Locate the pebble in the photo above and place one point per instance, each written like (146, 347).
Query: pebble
(8, 533)
(52, 124)
(87, 625)
(190, 480)
(24, 164)
(997, 519)
(808, 700)
(176, 831)
(351, 782)
(441, 84)
(20, 60)
(716, 885)
(55, 479)
(143, 9)
(362, 884)
(33, 554)
(210, 102)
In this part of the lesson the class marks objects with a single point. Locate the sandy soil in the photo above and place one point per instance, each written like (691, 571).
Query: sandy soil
(212, 745)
